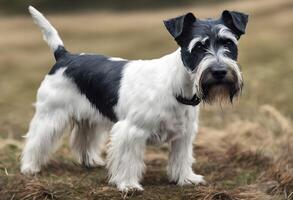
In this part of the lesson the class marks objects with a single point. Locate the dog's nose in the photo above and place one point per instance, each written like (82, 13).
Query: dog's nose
(219, 73)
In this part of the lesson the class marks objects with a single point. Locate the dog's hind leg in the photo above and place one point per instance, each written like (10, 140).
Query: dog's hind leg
(46, 129)
(87, 141)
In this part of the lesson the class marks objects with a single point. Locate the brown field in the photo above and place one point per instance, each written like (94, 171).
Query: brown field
(244, 150)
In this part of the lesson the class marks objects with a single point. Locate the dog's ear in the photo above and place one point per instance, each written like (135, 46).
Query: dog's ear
(176, 26)
(236, 21)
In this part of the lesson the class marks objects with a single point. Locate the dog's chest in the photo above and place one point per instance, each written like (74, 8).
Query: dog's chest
(170, 126)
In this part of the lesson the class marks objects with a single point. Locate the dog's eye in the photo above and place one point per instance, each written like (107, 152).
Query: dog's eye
(199, 46)
(227, 42)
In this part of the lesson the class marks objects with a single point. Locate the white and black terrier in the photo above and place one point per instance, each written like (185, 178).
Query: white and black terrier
(137, 101)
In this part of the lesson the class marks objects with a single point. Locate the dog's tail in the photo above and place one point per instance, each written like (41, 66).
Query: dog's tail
(50, 34)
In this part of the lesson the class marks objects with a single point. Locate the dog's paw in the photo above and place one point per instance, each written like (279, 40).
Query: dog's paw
(29, 169)
(96, 162)
(192, 179)
(92, 161)
(126, 187)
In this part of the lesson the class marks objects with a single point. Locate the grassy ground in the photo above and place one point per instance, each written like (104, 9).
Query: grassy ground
(244, 150)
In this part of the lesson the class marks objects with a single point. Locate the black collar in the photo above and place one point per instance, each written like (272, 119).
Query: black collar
(190, 102)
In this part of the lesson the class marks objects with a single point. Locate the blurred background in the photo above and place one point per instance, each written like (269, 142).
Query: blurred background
(244, 149)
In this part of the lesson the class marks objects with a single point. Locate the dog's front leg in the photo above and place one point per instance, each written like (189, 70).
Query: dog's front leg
(181, 154)
(125, 155)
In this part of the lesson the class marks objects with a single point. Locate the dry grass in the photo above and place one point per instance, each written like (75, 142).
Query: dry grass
(244, 150)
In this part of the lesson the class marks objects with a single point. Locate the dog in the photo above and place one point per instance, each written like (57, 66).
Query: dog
(135, 102)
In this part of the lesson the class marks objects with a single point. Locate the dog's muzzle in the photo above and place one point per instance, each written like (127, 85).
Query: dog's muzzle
(220, 82)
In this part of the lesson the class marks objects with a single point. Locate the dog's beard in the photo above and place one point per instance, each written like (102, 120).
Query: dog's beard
(220, 92)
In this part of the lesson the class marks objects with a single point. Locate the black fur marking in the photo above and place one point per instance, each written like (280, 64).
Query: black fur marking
(236, 21)
(176, 25)
(96, 77)
(59, 52)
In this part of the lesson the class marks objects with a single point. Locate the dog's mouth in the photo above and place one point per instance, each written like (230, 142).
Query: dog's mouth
(213, 91)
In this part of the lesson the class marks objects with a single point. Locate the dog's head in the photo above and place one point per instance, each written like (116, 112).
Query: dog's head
(209, 51)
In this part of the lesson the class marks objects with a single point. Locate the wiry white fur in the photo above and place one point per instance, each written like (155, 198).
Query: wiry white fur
(181, 156)
(50, 34)
(193, 42)
(87, 142)
(225, 32)
(59, 104)
(196, 40)
(116, 59)
(125, 155)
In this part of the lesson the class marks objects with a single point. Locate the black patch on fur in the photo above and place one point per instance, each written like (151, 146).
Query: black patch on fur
(59, 52)
(96, 77)
(176, 26)
(236, 21)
